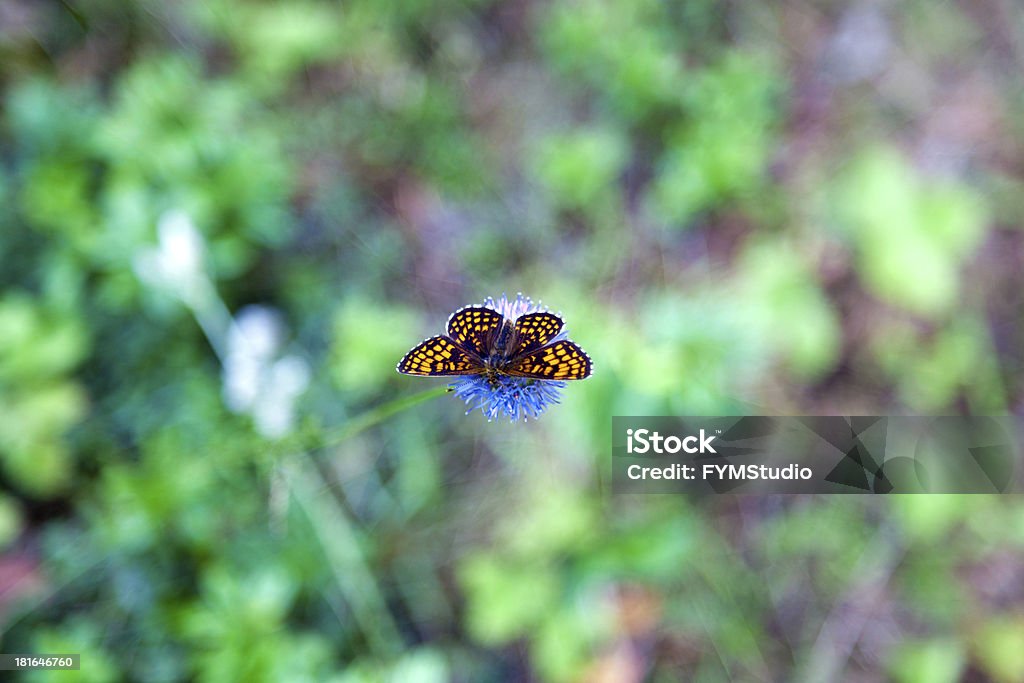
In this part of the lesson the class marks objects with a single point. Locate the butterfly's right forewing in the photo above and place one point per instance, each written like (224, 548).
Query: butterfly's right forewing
(474, 328)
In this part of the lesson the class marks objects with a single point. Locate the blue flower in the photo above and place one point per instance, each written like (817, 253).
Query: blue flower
(518, 398)
(521, 305)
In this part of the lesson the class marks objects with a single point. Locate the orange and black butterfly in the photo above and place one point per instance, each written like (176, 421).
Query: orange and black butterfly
(482, 341)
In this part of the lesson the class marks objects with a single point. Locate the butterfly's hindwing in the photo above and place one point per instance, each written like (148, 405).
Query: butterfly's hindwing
(474, 328)
(438, 356)
(562, 360)
(534, 330)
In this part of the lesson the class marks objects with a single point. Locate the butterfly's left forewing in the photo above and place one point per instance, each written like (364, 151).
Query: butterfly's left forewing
(438, 356)
(563, 360)
(534, 330)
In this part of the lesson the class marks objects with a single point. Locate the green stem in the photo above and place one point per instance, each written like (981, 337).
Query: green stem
(377, 415)
(342, 544)
(339, 534)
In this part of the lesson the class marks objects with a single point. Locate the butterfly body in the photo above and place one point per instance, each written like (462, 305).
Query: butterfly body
(482, 341)
(501, 352)
(503, 342)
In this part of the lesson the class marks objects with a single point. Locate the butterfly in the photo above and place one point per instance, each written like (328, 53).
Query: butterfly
(482, 341)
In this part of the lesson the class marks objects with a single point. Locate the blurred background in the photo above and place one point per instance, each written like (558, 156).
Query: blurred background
(223, 222)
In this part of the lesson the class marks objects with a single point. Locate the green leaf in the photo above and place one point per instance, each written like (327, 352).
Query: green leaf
(998, 647)
(932, 661)
(582, 167)
(911, 235)
(506, 599)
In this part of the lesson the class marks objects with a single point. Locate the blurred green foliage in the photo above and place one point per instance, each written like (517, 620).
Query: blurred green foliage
(740, 208)
(911, 238)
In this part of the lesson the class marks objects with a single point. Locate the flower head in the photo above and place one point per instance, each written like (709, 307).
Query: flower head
(176, 263)
(258, 379)
(514, 308)
(518, 398)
